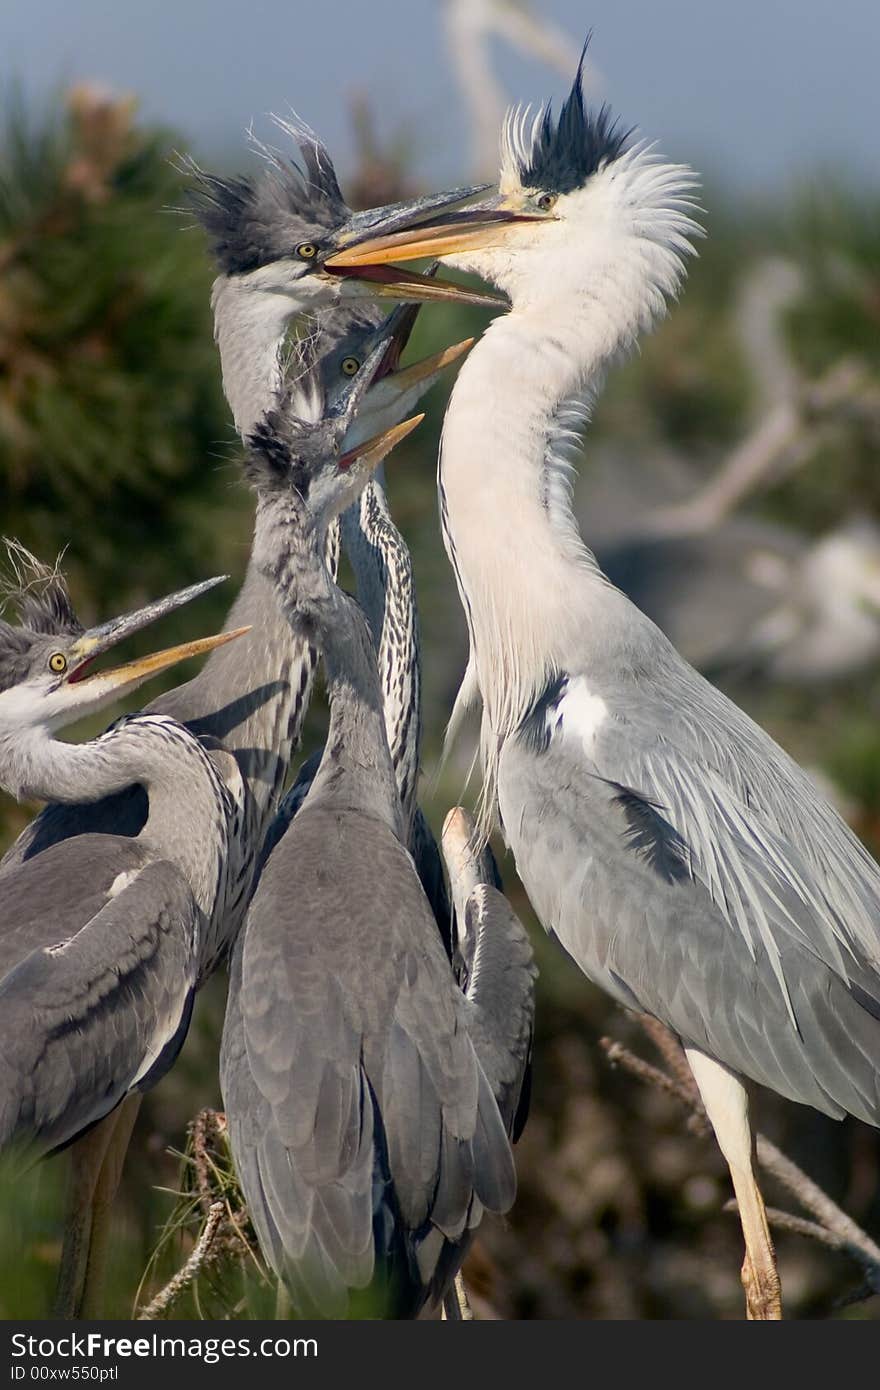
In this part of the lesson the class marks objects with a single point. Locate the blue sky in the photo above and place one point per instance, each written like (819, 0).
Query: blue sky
(758, 93)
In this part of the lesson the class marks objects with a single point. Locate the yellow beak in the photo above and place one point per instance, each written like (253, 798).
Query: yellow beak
(142, 668)
(371, 453)
(469, 230)
(407, 377)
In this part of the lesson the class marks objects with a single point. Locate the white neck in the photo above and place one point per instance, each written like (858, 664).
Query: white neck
(249, 328)
(535, 600)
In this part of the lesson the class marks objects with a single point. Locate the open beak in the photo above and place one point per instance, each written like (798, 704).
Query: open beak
(370, 454)
(487, 224)
(92, 644)
(133, 673)
(383, 226)
(399, 326)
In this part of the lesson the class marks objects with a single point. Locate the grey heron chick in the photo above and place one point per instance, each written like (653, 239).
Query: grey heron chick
(321, 374)
(273, 237)
(678, 854)
(365, 1132)
(105, 938)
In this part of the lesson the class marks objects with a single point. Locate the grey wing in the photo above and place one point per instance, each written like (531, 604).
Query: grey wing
(122, 814)
(501, 998)
(290, 805)
(692, 869)
(385, 1142)
(86, 1020)
(47, 899)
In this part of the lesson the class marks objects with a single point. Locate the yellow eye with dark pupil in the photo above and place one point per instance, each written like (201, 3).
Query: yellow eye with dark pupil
(350, 366)
(307, 250)
(58, 662)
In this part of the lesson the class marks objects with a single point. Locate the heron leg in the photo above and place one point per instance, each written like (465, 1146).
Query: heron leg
(727, 1105)
(86, 1157)
(102, 1201)
(456, 1307)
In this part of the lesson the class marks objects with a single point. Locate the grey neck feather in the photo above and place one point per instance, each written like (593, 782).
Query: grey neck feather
(249, 328)
(383, 570)
(356, 771)
(189, 808)
(253, 693)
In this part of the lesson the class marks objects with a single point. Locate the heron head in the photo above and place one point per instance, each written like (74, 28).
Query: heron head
(578, 205)
(47, 675)
(305, 470)
(274, 234)
(327, 364)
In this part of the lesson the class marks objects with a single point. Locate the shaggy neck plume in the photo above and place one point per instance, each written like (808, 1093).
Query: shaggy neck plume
(535, 599)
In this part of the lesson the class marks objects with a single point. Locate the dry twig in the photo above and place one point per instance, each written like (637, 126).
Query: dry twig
(201, 1256)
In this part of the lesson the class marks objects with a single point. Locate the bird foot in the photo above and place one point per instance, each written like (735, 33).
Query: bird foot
(763, 1293)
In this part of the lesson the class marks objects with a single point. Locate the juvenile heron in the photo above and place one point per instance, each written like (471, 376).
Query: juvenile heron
(362, 1120)
(105, 938)
(321, 374)
(254, 700)
(677, 853)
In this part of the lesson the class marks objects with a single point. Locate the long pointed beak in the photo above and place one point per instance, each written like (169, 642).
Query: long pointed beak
(403, 220)
(469, 229)
(371, 453)
(423, 372)
(133, 673)
(100, 639)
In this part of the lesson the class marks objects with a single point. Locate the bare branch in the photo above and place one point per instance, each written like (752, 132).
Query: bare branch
(202, 1255)
(832, 1226)
(784, 439)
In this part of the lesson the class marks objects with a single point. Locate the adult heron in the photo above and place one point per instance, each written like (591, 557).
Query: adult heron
(105, 938)
(362, 1120)
(677, 853)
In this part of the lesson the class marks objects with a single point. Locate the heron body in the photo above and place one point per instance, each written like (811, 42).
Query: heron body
(378, 553)
(105, 937)
(363, 1124)
(684, 861)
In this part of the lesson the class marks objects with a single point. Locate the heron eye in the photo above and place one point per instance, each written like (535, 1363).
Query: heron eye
(58, 662)
(307, 250)
(350, 366)
(547, 201)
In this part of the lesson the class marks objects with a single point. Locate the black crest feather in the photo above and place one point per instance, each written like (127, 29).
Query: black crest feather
(567, 151)
(39, 594)
(41, 599)
(251, 222)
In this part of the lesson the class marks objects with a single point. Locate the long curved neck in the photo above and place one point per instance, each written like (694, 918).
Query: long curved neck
(383, 571)
(249, 328)
(253, 699)
(187, 815)
(355, 770)
(525, 577)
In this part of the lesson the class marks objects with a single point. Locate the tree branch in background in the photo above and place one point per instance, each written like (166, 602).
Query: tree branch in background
(783, 440)
(470, 24)
(831, 1227)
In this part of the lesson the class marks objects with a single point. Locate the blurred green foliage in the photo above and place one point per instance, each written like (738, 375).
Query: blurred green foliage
(115, 442)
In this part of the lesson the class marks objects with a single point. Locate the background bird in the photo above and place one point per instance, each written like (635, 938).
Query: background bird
(105, 938)
(362, 1120)
(676, 852)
